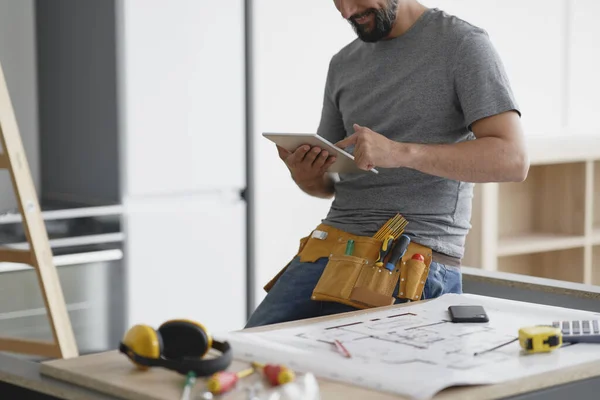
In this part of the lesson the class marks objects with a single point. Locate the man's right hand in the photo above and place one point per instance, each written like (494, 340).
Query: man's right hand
(307, 167)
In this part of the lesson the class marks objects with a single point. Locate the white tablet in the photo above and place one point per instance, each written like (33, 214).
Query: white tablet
(344, 162)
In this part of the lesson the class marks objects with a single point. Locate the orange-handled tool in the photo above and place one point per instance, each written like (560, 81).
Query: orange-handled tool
(222, 382)
(276, 374)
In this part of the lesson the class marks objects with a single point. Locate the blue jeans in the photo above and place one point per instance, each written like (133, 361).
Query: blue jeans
(290, 298)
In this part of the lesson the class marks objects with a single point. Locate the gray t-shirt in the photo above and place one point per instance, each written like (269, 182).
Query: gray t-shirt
(427, 86)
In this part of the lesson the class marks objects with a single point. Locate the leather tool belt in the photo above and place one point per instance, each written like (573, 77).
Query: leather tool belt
(355, 279)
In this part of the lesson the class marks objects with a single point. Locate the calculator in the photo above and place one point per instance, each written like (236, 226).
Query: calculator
(582, 331)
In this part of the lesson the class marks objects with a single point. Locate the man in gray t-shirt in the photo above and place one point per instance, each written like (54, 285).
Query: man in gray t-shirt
(422, 96)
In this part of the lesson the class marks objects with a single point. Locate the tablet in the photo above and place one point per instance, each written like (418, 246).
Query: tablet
(344, 162)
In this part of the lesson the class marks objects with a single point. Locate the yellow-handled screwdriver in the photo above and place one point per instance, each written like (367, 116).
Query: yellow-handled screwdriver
(385, 248)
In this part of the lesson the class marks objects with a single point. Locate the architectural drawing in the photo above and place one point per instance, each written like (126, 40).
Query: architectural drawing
(419, 345)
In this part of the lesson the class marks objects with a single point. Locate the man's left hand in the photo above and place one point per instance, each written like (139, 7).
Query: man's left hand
(371, 149)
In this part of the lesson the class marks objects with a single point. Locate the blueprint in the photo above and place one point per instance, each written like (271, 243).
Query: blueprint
(415, 350)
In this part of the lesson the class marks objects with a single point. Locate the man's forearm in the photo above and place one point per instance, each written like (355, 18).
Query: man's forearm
(487, 159)
(322, 188)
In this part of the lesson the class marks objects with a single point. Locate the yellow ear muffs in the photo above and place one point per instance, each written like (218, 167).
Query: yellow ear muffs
(184, 338)
(179, 345)
(144, 341)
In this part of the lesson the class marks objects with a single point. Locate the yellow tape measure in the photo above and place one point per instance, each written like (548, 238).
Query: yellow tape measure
(534, 339)
(540, 339)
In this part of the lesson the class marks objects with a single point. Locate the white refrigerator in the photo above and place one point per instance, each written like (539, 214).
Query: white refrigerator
(182, 116)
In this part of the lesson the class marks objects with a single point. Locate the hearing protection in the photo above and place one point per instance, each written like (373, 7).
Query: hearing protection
(178, 345)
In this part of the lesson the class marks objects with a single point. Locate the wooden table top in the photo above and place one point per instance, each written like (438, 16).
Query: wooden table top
(112, 373)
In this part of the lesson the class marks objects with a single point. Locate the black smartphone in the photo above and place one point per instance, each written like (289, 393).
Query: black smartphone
(467, 314)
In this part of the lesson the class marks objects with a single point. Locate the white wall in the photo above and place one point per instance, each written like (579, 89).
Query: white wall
(584, 65)
(550, 48)
(530, 37)
(18, 59)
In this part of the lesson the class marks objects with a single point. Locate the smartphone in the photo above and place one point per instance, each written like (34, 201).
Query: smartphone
(468, 314)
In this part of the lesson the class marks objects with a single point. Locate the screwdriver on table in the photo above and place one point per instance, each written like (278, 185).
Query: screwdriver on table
(398, 252)
(276, 374)
(222, 382)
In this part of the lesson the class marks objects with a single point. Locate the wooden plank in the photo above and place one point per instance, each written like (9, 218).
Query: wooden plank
(588, 221)
(34, 226)
(489, 220)
(4, 163)
(15, 256)
(529, 243)
(33, 347)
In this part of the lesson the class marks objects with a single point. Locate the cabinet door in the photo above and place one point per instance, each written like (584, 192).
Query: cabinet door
(290, 62)
(18, 59)
(182, 81)
(186, 259)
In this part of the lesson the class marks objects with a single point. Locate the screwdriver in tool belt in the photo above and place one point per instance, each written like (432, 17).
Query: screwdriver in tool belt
(398, 252)
(385, 248)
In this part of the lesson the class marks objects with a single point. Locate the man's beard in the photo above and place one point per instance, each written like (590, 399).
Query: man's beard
(384, 22)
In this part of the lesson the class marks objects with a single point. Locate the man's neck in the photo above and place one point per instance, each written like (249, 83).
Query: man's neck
(408, 13)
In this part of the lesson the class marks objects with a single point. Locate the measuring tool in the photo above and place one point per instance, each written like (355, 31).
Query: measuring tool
(394, 227)
(534, 339)
(540, 339)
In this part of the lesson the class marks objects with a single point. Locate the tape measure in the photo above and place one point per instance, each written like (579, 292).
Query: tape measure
(540, 339)
(534, 339)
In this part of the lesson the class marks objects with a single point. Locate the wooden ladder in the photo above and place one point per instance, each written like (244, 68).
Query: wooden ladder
(39, 255)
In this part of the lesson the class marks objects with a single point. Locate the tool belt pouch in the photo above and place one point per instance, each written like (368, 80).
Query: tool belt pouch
(414, 273)
(355, 280)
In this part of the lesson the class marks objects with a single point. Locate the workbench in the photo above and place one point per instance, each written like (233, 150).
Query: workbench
(20, 378)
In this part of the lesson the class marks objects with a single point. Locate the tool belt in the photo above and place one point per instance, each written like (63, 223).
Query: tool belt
(355, 279)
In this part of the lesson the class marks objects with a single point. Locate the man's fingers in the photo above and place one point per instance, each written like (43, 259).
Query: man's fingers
(283, 153)
(320, 160)
(311, 156)
(363, 164)
(298, 155)
(347, 142)
(328, 163)
(362, 161)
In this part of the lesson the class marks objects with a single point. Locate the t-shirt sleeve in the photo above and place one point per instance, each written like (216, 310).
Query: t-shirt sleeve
(331, 125)
(480, 79)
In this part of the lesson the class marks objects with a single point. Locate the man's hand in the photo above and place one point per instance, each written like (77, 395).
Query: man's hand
(371, 149)
(308, 167)
(306, 164)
